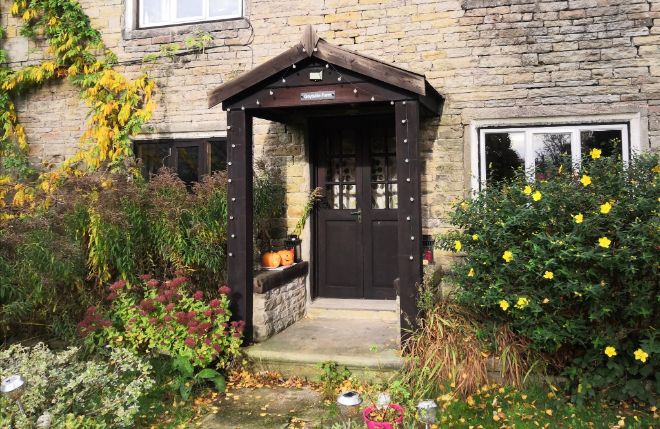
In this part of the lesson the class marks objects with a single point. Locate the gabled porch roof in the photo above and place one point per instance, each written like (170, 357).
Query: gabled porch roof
(361, 69)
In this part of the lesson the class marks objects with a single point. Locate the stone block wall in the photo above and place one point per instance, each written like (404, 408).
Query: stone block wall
(278, 308)
(491, 59)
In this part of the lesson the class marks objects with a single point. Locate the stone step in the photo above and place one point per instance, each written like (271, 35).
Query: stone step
(368, 348)
(354, 309)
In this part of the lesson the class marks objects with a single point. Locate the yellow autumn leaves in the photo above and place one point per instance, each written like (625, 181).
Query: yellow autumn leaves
(119, 106)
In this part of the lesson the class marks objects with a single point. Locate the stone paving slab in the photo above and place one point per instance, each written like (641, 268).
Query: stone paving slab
(361, 345)
(271, 408)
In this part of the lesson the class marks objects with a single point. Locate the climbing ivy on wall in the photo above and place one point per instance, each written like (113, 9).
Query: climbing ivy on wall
(119, 106)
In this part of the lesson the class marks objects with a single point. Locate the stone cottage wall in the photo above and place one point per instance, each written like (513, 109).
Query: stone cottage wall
(491, 59)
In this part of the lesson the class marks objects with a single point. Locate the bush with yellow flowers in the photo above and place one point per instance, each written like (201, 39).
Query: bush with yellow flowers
(571, 263)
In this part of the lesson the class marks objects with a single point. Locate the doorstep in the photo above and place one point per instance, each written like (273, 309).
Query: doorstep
(369, 348)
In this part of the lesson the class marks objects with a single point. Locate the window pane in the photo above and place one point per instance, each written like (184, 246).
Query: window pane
(153, 12)
(153, 157)
(225, 8)
(218, 155)
(348, 139)
(188, 163)
(609, 142)
(377, 168)
(332, 196)
(393, 196)
(349, 196)
(550, 151)
(505, 153)
(189, 8)
(391, 169)
(341, 170)
(378, 196)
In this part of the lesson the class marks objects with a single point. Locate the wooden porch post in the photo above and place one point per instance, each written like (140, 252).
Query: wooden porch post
(239, 194)
(406, 115)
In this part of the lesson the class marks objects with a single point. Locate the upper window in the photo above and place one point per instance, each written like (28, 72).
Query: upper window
(191, 159)
(155, 13)
(540, 150)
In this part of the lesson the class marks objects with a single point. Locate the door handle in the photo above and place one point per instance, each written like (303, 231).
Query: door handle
(358, 213)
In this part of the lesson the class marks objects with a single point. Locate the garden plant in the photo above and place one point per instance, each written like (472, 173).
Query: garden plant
(569, 264)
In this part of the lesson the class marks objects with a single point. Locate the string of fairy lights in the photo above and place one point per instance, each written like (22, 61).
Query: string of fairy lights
(356, 89)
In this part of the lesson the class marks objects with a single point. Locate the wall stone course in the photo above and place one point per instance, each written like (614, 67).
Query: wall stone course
(491, 59)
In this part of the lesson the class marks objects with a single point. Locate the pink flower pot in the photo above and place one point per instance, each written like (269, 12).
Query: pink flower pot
(383, 425)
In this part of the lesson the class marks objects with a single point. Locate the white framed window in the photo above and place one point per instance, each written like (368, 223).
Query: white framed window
(499, 149)
(157, 13)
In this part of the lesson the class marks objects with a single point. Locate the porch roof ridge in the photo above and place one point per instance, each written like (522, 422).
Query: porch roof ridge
(311, 45)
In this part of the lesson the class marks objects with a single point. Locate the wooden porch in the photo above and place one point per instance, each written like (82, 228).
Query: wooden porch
(315, 79)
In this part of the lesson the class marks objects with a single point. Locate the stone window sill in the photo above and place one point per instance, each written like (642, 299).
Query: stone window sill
(179, 29)
(265, 281)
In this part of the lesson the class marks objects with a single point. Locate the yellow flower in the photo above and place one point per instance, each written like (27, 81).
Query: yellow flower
(458, 246)
(579, 218)
(527, 190)
(595, 153)
(561, 168)
(504, 305)
(586, 180)
(641, 355)
(610, 351)
(475, 237)
(536, 196)
(605, 208)
(522, 302)
(549, 275)
(471, 273)
(546, 300)
(656, 169)
(604, 242)
(507, 256)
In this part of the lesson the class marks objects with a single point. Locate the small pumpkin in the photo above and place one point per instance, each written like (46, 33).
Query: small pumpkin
(286, 257)
(271, 260)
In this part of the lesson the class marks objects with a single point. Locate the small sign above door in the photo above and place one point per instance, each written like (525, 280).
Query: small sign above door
(317, 96)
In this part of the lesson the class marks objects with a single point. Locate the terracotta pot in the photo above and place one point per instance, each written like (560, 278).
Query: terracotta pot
(383, 425)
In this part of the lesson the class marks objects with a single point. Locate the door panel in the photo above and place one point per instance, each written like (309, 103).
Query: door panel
(356, 224)
(339, 268)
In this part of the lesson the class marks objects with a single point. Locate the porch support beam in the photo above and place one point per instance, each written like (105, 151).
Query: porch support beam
(406, 116)
(240, 202)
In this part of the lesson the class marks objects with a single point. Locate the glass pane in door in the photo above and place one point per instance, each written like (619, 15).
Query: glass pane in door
(383, 169)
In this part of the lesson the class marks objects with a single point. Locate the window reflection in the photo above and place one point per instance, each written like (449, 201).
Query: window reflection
(550, 151)
(505, 153)
(188, 163)
(609, 142)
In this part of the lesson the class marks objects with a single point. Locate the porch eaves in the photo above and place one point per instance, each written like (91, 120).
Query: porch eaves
(311, 45)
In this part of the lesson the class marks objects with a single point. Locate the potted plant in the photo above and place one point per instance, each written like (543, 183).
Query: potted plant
(383, 415)
(293, 241)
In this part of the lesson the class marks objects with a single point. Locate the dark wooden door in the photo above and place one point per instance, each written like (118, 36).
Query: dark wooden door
(356, 224)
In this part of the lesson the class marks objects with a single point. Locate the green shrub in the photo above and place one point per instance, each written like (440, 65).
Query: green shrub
(165, 318)
(104, 226)
(571, 264)
(76, 393)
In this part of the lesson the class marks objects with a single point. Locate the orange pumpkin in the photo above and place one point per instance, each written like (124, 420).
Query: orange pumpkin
(271, 260)
(286, 257)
